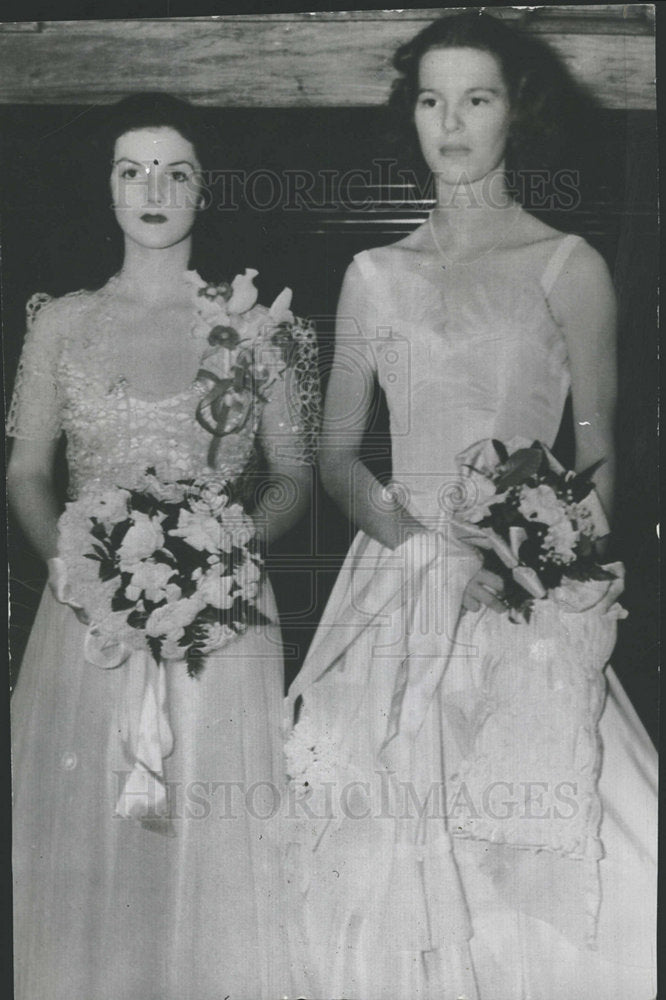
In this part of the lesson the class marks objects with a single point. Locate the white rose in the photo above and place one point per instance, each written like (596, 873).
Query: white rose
(199, 530)
(213, 588)
(561, 539)
(142, 539)
(216, 636)
(109, 507)
(540, 503)
(169, 620)
(151, 577)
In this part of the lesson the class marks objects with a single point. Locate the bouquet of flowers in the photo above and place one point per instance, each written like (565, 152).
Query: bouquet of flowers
(536, 524)
(171, 567)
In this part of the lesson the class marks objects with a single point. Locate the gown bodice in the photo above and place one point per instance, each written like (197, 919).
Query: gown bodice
(463, 353)
(74, 379)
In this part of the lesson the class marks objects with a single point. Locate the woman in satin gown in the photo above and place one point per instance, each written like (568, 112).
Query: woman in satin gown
(454, 830)
(108, 907)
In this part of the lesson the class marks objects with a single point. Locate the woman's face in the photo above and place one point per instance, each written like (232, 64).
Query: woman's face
(462, 113)
(155, 186)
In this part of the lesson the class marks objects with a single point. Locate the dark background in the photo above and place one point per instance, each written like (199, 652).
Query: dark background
(58, 235)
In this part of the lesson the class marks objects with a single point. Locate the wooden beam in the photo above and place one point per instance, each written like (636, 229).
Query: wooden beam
(295, 60)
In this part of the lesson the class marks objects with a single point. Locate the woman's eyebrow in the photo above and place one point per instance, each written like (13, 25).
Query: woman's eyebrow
(480, 86)
(142, 163)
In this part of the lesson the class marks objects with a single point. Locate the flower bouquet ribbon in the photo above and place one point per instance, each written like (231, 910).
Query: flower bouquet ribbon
(163, 572)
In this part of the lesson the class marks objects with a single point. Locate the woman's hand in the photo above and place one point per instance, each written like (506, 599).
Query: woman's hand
(61, 589)
(485, 588)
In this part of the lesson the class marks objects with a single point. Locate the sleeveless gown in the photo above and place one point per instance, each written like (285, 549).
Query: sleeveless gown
(407, 881)
(105, 907)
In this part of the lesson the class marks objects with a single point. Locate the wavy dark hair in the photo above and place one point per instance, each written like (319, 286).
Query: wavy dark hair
(155, 110)
(551, 111)
(213, 253)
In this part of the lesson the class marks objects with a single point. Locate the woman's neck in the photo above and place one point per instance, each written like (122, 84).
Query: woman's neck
(154, 275)
(473, 213)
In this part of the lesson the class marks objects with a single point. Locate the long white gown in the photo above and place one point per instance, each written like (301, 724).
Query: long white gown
(107, 908)
(453, 829)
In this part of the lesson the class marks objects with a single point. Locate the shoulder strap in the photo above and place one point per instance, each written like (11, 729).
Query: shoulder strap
(365, 264)
(557, 261)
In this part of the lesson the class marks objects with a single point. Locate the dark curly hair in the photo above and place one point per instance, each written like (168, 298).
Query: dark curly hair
(548, 105)
(155, 110)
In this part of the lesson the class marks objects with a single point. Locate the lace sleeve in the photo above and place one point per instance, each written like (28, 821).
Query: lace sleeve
(34, 412)
(291, 418)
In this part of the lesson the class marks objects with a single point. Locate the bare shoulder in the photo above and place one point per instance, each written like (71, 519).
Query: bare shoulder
(584, 277)
(415, 240)
(394, 256)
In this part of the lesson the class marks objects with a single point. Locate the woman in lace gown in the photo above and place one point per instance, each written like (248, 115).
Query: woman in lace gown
(450, 834)
(106, 907)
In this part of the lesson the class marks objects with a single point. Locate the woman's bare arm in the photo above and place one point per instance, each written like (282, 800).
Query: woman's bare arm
(348, 400)
(583, 301)
(31, 493)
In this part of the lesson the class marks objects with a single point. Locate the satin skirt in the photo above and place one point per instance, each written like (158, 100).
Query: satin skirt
(389, 898)
(108, 908)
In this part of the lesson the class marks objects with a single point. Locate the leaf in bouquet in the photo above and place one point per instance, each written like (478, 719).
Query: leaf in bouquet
(118, 532)
(187, 558)
(586, 474)
(119, 602)
(107, 570)
(102, 552)
(171, 519)
(154, 644)
(501, 450)
(519, 468)
(98, 530)
(187, 585)
(501, 517)
(209, 615)
(137, 619)
(584, 547)
(553, 479)
(530, 550)
(165, 557)
(91, 555)
(551, 575)
(587, 569)
(195, 660)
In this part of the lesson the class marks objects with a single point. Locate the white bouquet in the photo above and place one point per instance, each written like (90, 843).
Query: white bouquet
(174, 568)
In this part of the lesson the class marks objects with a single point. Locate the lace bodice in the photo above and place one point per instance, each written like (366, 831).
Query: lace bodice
(71, 379)
(463, 353)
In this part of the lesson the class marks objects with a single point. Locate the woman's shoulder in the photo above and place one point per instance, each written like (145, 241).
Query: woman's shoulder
(389, 258)
(544, 241)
